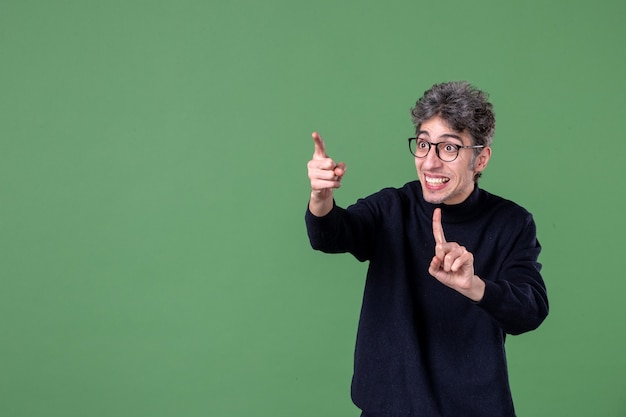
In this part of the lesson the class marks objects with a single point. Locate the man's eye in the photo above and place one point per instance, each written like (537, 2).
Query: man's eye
(422, 144)
(450, 148)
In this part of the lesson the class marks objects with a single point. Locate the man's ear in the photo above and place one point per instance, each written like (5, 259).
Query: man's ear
(482, 160)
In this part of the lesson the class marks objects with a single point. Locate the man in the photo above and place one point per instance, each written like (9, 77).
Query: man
(437, 306)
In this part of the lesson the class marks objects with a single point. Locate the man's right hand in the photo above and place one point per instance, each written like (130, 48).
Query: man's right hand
(325, 175)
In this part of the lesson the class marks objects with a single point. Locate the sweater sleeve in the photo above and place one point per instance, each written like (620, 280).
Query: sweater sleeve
(343, 230)
(517, 299)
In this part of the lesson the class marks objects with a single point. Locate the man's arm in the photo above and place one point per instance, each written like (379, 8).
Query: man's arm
(518, 302)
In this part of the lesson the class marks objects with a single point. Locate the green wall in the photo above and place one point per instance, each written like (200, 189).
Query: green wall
(153, 255)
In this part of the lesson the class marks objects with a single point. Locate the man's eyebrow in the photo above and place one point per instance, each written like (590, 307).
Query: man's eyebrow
(444, 136)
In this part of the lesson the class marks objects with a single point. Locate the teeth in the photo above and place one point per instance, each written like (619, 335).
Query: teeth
(436, 181)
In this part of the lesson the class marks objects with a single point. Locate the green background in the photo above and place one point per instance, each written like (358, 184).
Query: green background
(153, 255)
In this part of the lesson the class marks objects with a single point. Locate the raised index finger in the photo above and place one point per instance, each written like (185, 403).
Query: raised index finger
(320, 147)
(440, 238)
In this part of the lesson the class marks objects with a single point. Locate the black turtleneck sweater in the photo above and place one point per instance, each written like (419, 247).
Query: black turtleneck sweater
(422, 348)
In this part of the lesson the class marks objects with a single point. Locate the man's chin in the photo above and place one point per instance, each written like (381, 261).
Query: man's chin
(433, 197)
(435, 201)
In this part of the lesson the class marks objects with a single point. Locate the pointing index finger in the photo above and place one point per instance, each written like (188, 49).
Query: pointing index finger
(320, 147)
(440, 238)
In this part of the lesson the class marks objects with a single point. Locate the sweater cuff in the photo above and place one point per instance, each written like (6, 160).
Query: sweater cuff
(492, 296)
(320, 227)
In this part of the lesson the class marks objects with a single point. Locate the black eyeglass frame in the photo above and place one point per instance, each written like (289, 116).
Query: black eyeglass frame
(436, 145)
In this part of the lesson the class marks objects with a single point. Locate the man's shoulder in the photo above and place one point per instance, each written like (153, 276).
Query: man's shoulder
(503, 206)
(407, 192)
(389, 199)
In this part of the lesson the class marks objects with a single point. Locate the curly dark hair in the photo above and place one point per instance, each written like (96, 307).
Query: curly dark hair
(460, 104)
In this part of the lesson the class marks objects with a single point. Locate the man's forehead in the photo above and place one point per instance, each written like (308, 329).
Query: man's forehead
(440, 128)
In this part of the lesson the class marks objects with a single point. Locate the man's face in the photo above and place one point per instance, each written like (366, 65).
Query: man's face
(448, 182)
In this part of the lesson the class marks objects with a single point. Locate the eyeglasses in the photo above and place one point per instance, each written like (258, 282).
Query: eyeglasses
(446, 151)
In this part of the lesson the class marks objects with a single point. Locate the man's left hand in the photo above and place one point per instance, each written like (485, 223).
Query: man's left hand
(453, 264)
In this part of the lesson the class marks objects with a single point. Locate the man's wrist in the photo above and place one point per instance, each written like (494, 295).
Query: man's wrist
(477, 290)
(321, 202)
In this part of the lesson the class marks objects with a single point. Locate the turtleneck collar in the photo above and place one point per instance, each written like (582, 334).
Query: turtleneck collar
(456, 213)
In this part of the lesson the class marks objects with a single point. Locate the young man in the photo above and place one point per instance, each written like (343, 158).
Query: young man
(437, 306)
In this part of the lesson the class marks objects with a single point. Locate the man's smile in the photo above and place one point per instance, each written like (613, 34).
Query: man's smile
(436, 181)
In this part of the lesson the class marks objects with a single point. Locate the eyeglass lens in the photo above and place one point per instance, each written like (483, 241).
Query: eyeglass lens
(446, 151)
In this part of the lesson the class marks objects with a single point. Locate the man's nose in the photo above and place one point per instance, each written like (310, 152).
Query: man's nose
(432, 160)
